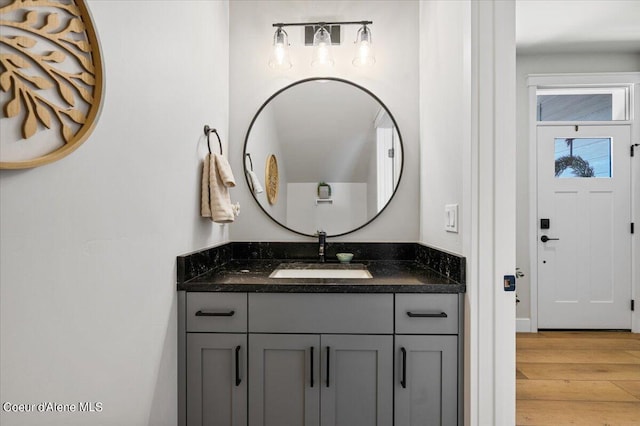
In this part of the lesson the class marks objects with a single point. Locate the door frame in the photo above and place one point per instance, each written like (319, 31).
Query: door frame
(535, 81)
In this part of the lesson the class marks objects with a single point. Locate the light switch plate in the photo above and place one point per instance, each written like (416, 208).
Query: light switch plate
(451, 218)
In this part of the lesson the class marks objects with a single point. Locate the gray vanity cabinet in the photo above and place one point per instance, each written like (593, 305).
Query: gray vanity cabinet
(325, 380)
(356, 381)
(320, 359)
(217, 386)
(339, 374)
(427, 379)
(216, 359)
(426, 385)
(284, 388)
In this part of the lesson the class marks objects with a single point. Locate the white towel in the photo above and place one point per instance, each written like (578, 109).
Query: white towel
(217, 178)
(254, 183)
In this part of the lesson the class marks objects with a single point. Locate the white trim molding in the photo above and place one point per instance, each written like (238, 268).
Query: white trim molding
(490, 191)
(583, 79)
(635, 206)
(523, 325)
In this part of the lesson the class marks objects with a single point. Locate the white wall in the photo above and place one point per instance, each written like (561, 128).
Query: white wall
(88, 248)
(445, 108)
(347, 210)
(541, 64)
(443, 112)
(394, 79)
(467, 109)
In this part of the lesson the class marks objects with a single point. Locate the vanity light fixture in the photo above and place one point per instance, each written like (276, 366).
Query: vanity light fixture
(364, 48)
(280, 56)
(322, 48)
(322, 55)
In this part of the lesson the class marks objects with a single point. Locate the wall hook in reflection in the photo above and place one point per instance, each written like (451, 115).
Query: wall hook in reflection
(207, 131)
(247, 155)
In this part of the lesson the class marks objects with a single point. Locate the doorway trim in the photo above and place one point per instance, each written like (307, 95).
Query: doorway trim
(535, 81)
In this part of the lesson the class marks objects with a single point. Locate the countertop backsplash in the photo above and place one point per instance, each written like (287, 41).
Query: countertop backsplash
(448, 265)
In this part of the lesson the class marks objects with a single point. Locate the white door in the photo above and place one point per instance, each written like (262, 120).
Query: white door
(385, 155)
(584, 221)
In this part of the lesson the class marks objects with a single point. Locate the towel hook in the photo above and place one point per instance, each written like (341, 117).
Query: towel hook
(207, 131)
(250, 161)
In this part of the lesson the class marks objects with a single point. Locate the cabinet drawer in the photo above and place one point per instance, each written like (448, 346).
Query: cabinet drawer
(320, 313)
(217, 312)
(426, 313)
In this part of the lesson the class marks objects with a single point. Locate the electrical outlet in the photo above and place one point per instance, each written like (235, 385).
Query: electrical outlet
(451, 218)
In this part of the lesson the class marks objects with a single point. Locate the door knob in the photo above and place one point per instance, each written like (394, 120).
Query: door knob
(544, 239)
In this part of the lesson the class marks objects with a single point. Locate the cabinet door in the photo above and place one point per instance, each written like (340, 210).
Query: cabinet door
(357, 380)
(284, 372)
(426, 384)
(216, 379)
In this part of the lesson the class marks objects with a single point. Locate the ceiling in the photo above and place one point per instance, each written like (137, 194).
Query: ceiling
(565, 26)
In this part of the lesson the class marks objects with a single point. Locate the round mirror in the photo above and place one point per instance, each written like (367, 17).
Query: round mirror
(336, 151)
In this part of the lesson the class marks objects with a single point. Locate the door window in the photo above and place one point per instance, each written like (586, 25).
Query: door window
(583, 104)
(582, 157)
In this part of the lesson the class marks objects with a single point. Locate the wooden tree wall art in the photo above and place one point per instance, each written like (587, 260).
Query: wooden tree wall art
(50, 80)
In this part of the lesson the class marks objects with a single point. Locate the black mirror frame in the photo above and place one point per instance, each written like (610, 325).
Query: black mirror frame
(257, 114)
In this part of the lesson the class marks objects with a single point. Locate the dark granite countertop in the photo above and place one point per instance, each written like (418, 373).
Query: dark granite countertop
(396, 276)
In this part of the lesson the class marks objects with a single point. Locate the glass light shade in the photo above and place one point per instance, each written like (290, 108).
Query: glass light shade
(364, 48)
(279, 58)
(322, 48)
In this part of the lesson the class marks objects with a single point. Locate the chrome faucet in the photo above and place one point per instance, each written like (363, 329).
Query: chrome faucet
(322, 245)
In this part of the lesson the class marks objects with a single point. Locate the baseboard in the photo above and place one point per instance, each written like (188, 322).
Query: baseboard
(523, 325)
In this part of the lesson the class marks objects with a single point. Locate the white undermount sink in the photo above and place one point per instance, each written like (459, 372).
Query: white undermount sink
(321, 271)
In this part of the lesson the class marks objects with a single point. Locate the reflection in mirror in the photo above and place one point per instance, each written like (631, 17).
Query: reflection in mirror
(325, 132)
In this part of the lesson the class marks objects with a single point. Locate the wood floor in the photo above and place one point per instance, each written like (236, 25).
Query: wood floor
(578, 378)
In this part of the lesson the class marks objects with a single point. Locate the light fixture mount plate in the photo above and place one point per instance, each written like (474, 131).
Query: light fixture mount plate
(310, 30)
